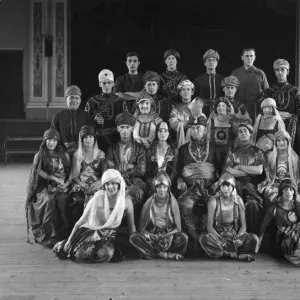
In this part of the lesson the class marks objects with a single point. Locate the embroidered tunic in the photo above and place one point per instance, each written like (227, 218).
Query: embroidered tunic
(170, 81)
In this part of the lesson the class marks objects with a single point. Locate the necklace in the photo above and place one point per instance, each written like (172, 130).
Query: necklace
(226, 203)
(159, 203)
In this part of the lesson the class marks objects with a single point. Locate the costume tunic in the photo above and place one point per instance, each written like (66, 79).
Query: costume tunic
(154, 228)
(208, 87)
(129, 83)
(248, 155)
(229, 239)
(287, 99)
(253, 82)
(288, 234)
(120, 155)
(196, 169)
(108, 106)
(48, 203)
(68, 123)
(170, 81)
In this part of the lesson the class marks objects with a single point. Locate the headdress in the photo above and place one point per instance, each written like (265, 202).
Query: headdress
(230, 81)
(151, 76)
(79, 154)
(106, 75)
(211, 53)
(111, 219)
(281, 63)
(72, 90)
(51, 133)
(125, 118)
(266, 102)
(185, 82)
(172, 52)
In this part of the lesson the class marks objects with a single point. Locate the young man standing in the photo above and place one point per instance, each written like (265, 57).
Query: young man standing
(130, 85)
(208, 85)
(104, 108)
(287, 98)
(253, 82)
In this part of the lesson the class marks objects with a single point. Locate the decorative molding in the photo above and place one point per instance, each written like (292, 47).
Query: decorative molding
(59, 49)
(38, 49)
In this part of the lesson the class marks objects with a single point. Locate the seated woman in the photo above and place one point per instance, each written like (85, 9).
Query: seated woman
(220, 130)
(162, 155)
(267, 123)
(160, 233)
(286, 210)
(47, 204)
(226, 225)
(94, 235)
(87, 169)
(147, 120)
(281, 163)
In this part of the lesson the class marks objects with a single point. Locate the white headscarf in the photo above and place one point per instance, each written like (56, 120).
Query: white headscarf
(281, 126)
(97, 215)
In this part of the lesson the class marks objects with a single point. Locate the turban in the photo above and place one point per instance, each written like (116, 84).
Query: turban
(268, 102)
(144, 97)
(185, 82)
(281, 63)
(248, 126)
(106, 75)
(86, 130)
(72, 90)
(230, 81)
(125, 118)
(211, 53)
(171, 52)
(151, 76)
(51, 133)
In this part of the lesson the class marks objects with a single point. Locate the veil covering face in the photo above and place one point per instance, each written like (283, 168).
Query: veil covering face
(97, 214)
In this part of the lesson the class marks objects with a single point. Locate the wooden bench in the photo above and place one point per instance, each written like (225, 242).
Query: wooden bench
(13, 145)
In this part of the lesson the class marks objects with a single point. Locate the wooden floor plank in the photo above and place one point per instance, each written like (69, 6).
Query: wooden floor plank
(31, 271)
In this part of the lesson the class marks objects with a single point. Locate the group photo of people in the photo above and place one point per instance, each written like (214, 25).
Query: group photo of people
(206, 165)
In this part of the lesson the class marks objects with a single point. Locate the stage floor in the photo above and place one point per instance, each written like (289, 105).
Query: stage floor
(31, 271)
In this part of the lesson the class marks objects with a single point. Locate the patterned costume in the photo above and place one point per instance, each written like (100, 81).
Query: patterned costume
(247, 185)
(94, 240)
(47, 205)
(196, 169)
(108, 106)
(118, 156)
(287, 98)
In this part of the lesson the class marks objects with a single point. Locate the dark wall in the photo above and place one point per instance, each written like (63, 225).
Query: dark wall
(103, 31)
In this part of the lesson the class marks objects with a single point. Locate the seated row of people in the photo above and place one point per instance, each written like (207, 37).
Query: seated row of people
(194, 169)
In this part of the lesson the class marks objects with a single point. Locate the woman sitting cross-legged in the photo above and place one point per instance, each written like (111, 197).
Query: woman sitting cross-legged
(87, 170)
(160, 224)
(94, 235)
(47, 205)
(226, 225)
(286, 210)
